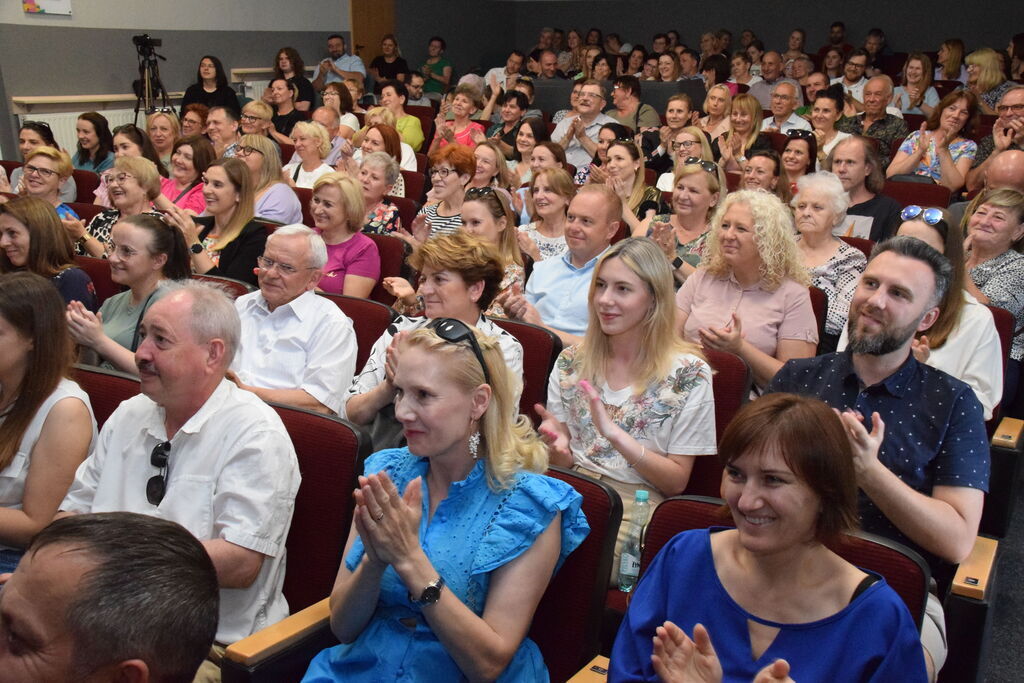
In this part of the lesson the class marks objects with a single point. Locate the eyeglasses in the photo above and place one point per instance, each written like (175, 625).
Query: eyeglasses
(1014, 108)
(686, 144)
(454, 331)
(441, 172)
(156, 487)
(123, 253)
(41, 172)
(780, 96)
(249, 118)
(709, 166)
(246, 151)
(588, 95)
(930, 216)
(283, 268)
(857, 65)
(800, 134)
(118, 178)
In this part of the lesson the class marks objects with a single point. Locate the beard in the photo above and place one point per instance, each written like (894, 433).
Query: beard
(885, 341)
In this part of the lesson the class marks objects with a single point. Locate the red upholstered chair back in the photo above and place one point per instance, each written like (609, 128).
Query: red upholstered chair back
(864, 245)
(86, 211)
(1005, 325)
(9, 166)
(778, 140)
(233, 288)
(287, 152)
(406, 210)
(392, 260)
(567, 623)
(305, 196)
(650, 176)
(330, 453)
(86, 182)
(414, 182)
(733, 180)
(369, 319)
(922, 194)
(903, 569)
(421, 159)
(98, 270)
(540, 350)
(106, 389)
(819, 303)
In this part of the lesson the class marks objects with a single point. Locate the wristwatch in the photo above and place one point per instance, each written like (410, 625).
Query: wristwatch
(430, 594)
(677, 263)
(196, 248)
(742, 159)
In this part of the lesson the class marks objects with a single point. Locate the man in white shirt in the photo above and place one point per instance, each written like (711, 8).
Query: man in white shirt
(784, 117)
(297, 348)
(508, 74)
(577, 133)
(220, 462)
(338, 66)
(853, 79)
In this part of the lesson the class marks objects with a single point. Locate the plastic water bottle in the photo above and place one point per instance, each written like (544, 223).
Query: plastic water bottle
(629, 562)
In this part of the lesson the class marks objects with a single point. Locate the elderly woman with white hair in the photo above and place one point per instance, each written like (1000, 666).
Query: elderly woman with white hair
(312, 145)
(378, 174)
(833, 265)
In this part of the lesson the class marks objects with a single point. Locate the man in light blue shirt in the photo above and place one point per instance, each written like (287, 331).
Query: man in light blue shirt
(338, 66)
(556, 294)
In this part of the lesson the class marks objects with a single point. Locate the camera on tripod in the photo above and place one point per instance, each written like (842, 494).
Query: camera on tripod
(146, 43)
(149, 88)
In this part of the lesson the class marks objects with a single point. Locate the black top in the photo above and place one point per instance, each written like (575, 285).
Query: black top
(221, 97)
(390, 71)
(304, 88)
(238, 258)
(284, 123)
(763, 142)
(884, 212)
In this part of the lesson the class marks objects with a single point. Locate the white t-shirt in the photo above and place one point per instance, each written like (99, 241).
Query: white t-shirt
(306, 179)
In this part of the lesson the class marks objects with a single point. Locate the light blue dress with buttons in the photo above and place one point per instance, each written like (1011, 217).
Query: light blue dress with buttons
(474, 531)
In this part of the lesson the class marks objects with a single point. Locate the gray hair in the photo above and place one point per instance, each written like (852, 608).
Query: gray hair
(317, 247)
(885, 79)
(385, 161)
(829, 185)
(213, 314)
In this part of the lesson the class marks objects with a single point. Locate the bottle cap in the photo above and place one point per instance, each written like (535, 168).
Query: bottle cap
(641, 496)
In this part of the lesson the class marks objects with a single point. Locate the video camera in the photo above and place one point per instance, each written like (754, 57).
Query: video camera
(145, 43)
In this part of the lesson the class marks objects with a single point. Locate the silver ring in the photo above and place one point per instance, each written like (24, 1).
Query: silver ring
(377, 519)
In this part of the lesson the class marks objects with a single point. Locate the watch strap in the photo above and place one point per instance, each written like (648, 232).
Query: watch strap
(431, 593)
(677, 263)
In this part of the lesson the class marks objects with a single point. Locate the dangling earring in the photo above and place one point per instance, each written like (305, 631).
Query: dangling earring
(474, 445)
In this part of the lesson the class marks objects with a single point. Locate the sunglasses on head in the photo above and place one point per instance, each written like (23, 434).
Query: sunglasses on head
(931, 216)
(800, 134)
(455, 331)
(708, 166)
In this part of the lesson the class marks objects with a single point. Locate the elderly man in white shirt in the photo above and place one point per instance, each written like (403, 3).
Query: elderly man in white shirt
(577, 133)
(220, 462)
(297, 348)
(784, 117)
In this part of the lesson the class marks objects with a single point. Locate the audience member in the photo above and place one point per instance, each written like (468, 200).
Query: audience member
(597, 171)
(854, 79)
(689, 61)
(312, 145)
(627, 108)
(786, 460)
(784, 117)
(338, 65)
(487, 214)
(551, 190)
(461, 129)
(415, 85)
(799, 156)
(129, 141)
(875, 122)
(626, 178)
(377, 175)
(95, 143)
(833, 64)
(744, 135)
(384, 139)
(289, 66)
(602, 67)
(451, 168)
(755, 50)
(228, 452)
(31, 135)
(916, 95)
(771, 74)
(986, 79)
(273, 199)
(872, 215)
(282, 99)
(48, 426)
(940, 150)
(739, 69)
(715, 71)
(296, 347)
(337, 97)
(717, 107)
(834, 267)
(689, 142)
(393, 96)
(549, 70)
(923, 481)
(825, 112)
(749, 297)
(1007, 134)
(795, 45)
(160, 626)
(577, 134)
(190, 157)
(331, 122)
(211, 87)
(145, 254)
(436, 70)
(32, 239)
(678, 115)
(352, 260)
(255, 118)
(390, 65)
(531, 132)
(950, 61)
(43, 173)
(836, 39)
(224, 130)
(507, 75)
(478, 602)
(164, 130)
(600, 392)
(491, 167)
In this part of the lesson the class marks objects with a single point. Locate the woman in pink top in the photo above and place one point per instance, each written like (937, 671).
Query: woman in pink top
(190, 157)
(465, 103)
(750, 297)
(353, 261)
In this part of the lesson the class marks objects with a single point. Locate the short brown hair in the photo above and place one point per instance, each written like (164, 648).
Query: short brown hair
(812, 441)
(469, 256)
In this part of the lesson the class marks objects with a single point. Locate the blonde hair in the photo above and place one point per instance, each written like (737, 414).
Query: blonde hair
(238, 175)
(59, 157)
(660, 345)
(259, 109)
(1003, 198)
(499, 206)
(351, 197)
(503, 177)
(636, 193)
(773, 236)
(373, 115)
(508, 442)
(270, 169)
(315, 131)
(144, 171)
(559, 180)
(705, 147)
(726, 93)
(985, 58)
(716, 181)
(747, 103)
(172, 119)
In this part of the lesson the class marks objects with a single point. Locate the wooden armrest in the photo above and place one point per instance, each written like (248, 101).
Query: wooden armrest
(973, 575)
(596, 671)
(281, 635)
(1008, 433)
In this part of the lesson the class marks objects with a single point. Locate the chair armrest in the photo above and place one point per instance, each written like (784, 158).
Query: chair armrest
(974, 574)
(280, 636)
(596, 671)
(1008, 434)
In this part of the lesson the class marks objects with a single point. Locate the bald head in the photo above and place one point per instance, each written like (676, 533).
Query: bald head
(1006, 171)
(329, 119)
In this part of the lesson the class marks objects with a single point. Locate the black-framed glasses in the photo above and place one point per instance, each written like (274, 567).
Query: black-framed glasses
(930, 216)
(41, 172)
(246, 150)
(454, 331)
(800, 134)
(156, 487)
(687, 144)
(709, 166)
(441, 172)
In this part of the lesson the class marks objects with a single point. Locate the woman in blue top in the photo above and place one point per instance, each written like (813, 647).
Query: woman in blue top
(769, 594)
(455, 537)
(95, 143)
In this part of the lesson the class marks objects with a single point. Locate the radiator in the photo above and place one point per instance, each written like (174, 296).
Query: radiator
(63, 124)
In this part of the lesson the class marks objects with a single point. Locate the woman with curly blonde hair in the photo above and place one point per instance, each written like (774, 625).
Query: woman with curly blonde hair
(750, 297)
(632, 404)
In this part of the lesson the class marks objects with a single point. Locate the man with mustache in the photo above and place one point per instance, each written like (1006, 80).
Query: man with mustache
(197, 450)
(918, 434)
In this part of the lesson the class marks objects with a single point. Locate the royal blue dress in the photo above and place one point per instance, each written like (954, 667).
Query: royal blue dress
(871, 639)
(474, 531)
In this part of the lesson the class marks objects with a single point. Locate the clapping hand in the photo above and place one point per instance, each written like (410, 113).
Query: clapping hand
(728, 338)
(388, 522)
(86, 327)
(554, 435)
(677, 659)
(865, 444)
(920, 349)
